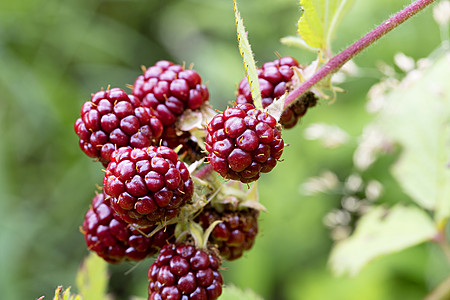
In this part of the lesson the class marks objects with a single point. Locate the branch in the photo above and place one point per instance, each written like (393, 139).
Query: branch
(335, 63)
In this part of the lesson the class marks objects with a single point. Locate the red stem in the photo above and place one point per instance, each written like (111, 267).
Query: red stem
(335, 63)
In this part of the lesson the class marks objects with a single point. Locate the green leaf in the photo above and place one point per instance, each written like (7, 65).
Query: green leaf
(92, 278)
(231, 292)
(319, 21)
(381, 232)
(417, 117)
(66, 295)
(297, 41)
(249, 61)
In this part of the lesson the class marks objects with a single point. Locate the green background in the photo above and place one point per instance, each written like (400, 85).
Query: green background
(54, 54)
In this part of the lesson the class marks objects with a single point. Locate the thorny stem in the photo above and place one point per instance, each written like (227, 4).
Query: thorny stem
(335, 63)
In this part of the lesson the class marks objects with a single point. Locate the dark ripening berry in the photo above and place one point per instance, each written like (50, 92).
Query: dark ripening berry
(113, 119)
(114, 240)
(147, 185)
(275, 78)
(169, 89)
(183, 272)
(235, 234)
(242, 142)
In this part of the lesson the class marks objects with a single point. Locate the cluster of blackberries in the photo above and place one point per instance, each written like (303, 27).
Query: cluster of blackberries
(150, 190)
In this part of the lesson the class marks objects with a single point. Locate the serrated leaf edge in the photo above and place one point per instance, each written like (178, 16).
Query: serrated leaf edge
(247, 55)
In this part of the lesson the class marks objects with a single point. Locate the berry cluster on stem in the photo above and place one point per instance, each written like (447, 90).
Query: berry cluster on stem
(159, 197)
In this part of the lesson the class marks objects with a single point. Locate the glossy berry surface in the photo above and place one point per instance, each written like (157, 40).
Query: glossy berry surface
(116, 241)
(113, 119)
(243, 142)
(169, 89)
(147, 185)
(275, 78)
(235, 234)
(185, 273)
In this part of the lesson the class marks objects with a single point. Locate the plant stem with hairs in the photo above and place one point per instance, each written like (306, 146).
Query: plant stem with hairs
(335, 63)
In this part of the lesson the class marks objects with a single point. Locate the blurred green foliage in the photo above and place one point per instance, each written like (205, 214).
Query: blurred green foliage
(54, 54)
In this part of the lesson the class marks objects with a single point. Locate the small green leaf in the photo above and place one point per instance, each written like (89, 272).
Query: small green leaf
(231, 292)
(297, 41)
(252, 199)
(66, 295)
(249, 61)
(380, 232)
(319, 21)
(417, 117)
(92, 278)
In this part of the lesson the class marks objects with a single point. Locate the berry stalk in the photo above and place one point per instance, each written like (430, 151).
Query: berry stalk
(335, 63)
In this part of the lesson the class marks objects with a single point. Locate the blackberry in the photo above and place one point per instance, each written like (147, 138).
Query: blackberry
(169, 89)
(235, 234)
(116, 241)
(186, 273)
(275, 78)
(242, 142)
(147, 185)
(113, 119)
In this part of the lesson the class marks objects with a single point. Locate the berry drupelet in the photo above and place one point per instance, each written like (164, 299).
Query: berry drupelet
(243, 142)
(113, 119)
(116, 241)
(147, 185)
(183, 272)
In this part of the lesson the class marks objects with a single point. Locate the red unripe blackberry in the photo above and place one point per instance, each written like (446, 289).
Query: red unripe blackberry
(113, 119)
(243, 142)
(169, 89)
(147, 185)
(114, 240)
(185, 273)
(235, 234)
(275, 78)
